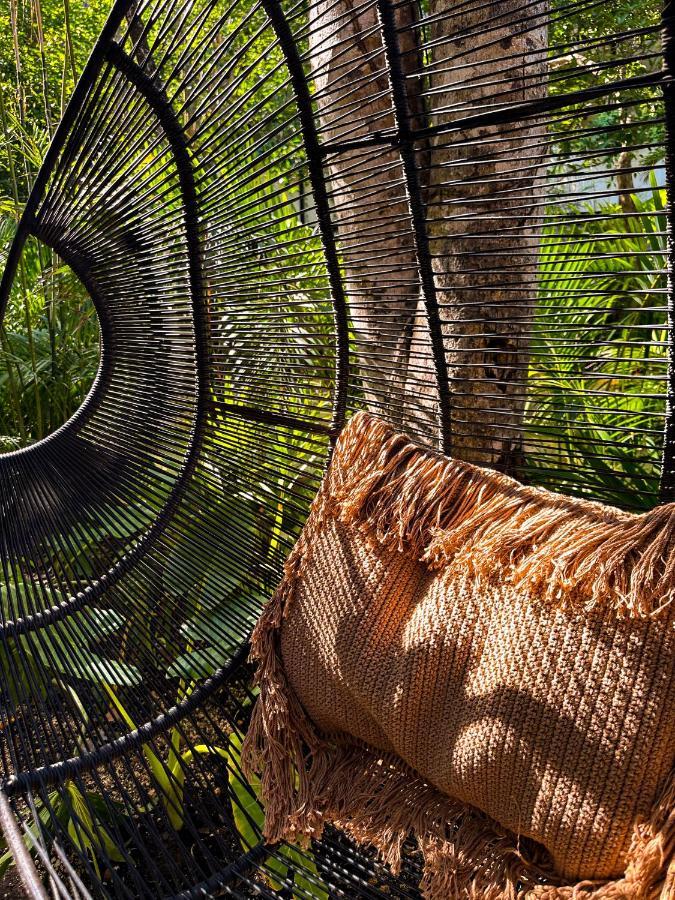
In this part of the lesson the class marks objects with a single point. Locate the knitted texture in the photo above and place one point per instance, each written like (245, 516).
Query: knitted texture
(486, 666)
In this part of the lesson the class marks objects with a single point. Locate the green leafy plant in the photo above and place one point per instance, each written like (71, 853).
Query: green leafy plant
(595, 404)
(49, 338)
(212, 635)
(84, 815)
(49, 348)
(64, 651)
(87, 818)
(64, 656)
(169, 773)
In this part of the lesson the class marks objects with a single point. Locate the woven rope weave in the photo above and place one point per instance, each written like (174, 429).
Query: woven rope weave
(487, 666)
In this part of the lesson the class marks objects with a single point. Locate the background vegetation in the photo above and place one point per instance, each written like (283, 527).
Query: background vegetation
(598, 347)
(608, 246)
(49, 338)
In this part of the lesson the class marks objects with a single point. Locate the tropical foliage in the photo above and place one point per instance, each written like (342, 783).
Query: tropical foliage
(49, 338)
(597, 356)
(596, 399)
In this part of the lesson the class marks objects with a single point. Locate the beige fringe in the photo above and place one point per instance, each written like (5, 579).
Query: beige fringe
(445, 509)
(564, 550)
(281, 743)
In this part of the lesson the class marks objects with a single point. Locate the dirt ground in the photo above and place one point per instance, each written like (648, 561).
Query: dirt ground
(10, 886)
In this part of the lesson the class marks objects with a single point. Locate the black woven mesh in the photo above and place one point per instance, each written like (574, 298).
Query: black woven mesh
(284, 212)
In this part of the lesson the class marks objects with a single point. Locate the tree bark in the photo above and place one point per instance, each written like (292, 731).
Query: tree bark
(483, 190)
(625, 185)
(370, 206)
(485, 199)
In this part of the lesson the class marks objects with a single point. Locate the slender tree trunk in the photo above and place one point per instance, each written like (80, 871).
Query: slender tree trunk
(484, 192)
(370, 205)
(486, 195)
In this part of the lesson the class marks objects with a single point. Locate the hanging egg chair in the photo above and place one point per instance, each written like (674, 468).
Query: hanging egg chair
(453, 215)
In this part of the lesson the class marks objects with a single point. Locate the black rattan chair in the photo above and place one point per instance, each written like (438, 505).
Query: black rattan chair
(284, 212)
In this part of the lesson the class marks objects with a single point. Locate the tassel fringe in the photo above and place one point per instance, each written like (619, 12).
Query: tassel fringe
(446, 510)
(560, 549)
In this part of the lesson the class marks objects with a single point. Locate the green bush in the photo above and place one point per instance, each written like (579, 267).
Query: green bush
(598, 355)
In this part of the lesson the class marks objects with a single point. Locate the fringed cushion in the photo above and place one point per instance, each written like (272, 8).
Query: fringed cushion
(485, 666)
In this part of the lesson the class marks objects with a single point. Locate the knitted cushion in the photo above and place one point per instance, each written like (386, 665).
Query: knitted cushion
(488, 666)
